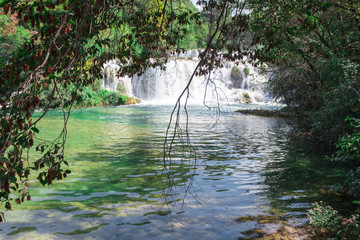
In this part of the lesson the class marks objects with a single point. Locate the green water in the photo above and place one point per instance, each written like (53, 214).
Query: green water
(246, 167)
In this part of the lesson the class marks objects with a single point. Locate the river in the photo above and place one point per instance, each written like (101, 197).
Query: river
(248, 178)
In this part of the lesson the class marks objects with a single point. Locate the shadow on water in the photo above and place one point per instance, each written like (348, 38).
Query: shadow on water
(294, 182)
(302, 174)
(249, 179)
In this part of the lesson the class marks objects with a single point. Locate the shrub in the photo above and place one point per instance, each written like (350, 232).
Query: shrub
(349, 145)
(349, 153)
(333, 224)
(112, 98)
(85, 97)
(352, 183)
(325, 217)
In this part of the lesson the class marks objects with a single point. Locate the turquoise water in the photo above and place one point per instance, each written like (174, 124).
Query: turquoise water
(246, 168)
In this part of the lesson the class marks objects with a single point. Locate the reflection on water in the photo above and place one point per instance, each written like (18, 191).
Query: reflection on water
(246, 169)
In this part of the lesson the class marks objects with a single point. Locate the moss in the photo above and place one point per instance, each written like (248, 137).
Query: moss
(107, 71)
(247, 71)
(246, 97)
(235, 72)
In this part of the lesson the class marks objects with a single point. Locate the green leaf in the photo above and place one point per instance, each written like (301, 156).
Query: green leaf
(34, 129)
(2, 3)
(12, 179)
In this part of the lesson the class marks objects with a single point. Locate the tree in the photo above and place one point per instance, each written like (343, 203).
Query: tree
(315, 48)
(69, 44)
(12, 35)
(72, 39)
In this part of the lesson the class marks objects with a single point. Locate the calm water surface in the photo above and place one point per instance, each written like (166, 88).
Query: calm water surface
(246, 168)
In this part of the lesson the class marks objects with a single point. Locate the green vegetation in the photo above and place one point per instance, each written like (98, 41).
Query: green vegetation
(349, 144)
(247, 71)
(332, 224)
(51, 53)
(57, 62)
(84, 96)
(195, 33)
(12, 35)
(325, 217)
(235, 72)
(315, 48)
(246, 97)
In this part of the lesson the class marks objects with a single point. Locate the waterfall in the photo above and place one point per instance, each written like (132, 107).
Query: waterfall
(112, 82)
(241, 83)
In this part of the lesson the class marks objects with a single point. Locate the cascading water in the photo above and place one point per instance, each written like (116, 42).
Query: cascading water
(112, 82)
(232, 83)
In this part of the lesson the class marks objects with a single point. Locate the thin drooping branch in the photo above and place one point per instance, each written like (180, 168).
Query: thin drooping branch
(174, 124)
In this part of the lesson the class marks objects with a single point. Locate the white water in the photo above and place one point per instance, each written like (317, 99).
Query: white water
(230, 83)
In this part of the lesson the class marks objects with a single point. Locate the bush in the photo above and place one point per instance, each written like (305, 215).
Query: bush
(352, 183)
(85, 97)
(349, 145)
(12, 36)
(320, 104)
(65, 92)
(349, 153)
(112, 98)
(333, 224)
(325, 217)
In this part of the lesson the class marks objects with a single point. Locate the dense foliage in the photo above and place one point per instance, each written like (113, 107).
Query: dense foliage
(328, 220)
(60, 46)
(315, 47)
(85, 96)
(12, 35)
(333, 224)
(70, 41)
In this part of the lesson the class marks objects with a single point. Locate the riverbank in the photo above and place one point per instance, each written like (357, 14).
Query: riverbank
(265, 113)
